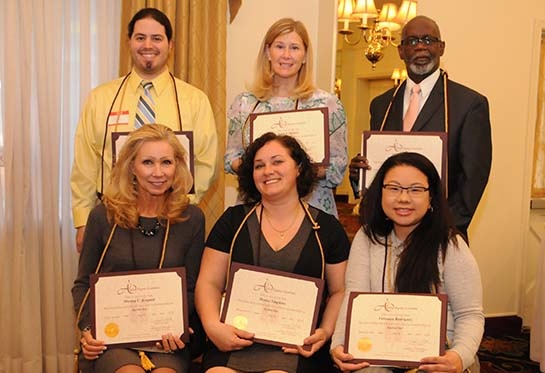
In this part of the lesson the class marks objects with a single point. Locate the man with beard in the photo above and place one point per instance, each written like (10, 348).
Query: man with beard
(148, 94)
(467, 125)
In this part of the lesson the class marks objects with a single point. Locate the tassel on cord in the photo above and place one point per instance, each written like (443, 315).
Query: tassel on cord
(76, 360)
(145, 361)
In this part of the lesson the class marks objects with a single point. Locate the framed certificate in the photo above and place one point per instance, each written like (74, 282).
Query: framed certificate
(395, 329)
(185, 138)
(378, 146)
(136, 308)
(310, 127)
(280, 308)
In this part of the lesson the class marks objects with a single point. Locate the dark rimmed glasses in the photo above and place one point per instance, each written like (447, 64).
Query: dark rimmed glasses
(413, 41)
(413, 190)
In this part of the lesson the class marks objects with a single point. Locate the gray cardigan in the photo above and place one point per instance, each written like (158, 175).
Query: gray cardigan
(460, 280)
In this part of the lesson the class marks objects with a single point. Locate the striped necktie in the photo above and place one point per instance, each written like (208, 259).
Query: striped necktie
(145, 109)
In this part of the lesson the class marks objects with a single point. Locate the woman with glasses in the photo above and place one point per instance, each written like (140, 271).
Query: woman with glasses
(408, 244)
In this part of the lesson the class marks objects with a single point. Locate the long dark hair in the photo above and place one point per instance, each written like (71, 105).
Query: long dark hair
(307, 173)
(417, 269)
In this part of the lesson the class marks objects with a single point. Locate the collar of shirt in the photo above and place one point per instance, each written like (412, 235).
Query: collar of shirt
(160, 83)
(395, 243)
(426, 86)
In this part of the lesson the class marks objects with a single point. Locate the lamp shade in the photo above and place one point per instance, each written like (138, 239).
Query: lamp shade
(365, 8)
(387, 16)
(344, 11)
(406, 12)
(344, 15)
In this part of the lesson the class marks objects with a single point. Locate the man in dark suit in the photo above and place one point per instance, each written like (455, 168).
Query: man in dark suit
(467, 125)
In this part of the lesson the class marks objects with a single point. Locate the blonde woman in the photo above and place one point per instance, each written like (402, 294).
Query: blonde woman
(147, 207)
(283, 81)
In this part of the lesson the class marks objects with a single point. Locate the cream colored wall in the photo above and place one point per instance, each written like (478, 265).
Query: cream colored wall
(244, 36)
(498, 57)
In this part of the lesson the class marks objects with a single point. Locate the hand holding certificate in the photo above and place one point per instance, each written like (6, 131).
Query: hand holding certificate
(137, 308)
(395, 329)
(279, 308)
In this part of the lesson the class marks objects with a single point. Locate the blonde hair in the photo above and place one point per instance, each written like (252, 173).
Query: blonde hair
(121, 194)
(262, 86)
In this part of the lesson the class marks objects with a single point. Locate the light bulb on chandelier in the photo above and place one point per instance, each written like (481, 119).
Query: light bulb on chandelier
(385, 28)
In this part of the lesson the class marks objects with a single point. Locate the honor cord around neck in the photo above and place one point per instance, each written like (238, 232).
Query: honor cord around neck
(315, 229)
(101, 191)
(445, 101)
(444, 76)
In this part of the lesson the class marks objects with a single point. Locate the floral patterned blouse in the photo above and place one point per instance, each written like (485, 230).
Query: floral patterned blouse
(245, 103)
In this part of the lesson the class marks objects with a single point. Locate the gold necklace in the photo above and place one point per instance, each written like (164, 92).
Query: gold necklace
(281, 232)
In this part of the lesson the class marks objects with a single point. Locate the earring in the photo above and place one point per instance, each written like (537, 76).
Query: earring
(431, 208)
(134, 181)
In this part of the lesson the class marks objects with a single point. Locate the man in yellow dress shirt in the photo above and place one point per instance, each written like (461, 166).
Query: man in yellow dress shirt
(111, 107)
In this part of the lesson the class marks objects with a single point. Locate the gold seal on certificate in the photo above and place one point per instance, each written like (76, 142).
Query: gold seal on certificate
(280, 308)
(111, 329)
(309, 126)
(365, 344)
(240, 322)
(377, 146)
(395, 329)
(136, 308)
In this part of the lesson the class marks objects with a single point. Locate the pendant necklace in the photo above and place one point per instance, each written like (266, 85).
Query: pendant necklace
(148, 232)
(280, 232)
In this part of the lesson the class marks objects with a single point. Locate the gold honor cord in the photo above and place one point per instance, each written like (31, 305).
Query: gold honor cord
(315, 228)
(124, 87)
(445, 101)
(77, 349)
(389, 107)
(233, 243)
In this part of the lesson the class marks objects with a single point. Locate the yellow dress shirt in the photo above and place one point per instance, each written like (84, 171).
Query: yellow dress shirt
(90, 149)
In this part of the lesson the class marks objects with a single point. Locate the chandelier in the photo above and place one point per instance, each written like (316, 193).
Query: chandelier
(385, 26)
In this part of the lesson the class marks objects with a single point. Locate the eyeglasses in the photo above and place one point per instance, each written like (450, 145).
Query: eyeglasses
(396, 190)
(426, 40)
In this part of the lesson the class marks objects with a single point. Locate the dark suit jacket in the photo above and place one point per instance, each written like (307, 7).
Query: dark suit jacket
(469, 139)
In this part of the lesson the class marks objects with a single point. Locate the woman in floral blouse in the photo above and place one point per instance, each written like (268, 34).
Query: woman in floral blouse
(283, 81)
